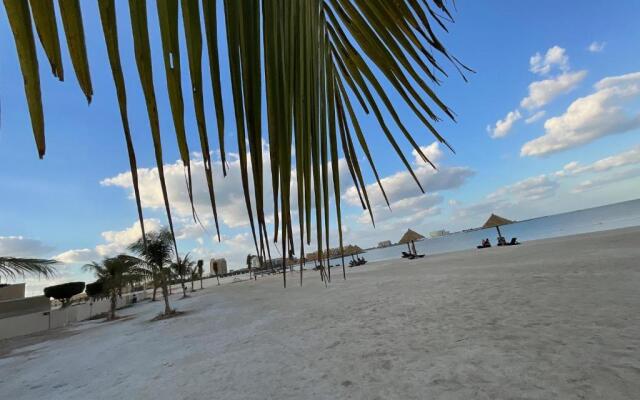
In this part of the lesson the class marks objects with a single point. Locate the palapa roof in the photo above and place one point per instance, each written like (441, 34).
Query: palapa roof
(496, 220)
(410, 236)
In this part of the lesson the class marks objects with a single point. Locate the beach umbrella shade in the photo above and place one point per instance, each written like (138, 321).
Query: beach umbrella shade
(410, 236)
(495, 221)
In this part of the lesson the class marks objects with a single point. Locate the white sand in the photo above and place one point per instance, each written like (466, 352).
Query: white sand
(555, 319)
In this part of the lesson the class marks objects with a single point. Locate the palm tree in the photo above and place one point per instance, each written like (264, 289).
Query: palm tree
(182, 267)
(156, 253)
(319, 66)
(200, 271)
(10, 267)
(115, 273)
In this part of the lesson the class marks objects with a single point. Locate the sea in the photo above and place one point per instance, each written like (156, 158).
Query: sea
(612, 216)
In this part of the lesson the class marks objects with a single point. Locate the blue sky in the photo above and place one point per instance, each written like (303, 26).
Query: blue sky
(549, 123)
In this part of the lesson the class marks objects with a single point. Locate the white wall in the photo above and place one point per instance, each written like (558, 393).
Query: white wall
(41, 321)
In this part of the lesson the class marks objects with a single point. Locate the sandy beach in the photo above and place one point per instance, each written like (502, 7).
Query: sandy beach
(551, 319)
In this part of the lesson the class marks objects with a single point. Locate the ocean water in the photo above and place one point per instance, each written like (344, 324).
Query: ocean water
(612, 216)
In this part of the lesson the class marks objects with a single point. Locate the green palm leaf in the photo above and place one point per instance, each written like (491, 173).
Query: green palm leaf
(11, 267)
(320, 66)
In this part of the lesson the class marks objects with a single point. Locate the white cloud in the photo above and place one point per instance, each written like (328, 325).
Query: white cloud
(555, 57)
(543, 92)
(510, 200)
(432, 152)
(228, 190)
(406, 200)
(600, 181)
(591, 117)
(229, 196)
(504, 126)
(534, 188)
(19, 246)
(632, 79)
(413, 208)
(116, 242)
(77, 256)
(402, 186)
(596, 47)
(629, 157)
(535, 117)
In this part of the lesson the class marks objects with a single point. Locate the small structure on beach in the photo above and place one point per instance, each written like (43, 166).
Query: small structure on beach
(437, 234)
(496, 221)
(218, 266)
(410, 236)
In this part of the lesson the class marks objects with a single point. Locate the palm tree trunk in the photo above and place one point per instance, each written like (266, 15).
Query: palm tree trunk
(155, 289)
(184, 287)
(165, 294)
(112, 309)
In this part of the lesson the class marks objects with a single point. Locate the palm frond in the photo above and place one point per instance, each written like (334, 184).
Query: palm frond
(11, 267)
(323, 66)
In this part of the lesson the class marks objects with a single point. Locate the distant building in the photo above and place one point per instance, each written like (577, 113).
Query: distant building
(439, 233)
(13, 303)
(218, 265)
(12, 292)
(384, 243)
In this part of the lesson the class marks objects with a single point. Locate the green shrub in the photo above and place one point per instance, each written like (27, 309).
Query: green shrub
(95, 290)
(64, 292)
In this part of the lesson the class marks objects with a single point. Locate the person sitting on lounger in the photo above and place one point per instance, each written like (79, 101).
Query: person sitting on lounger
(502, 241)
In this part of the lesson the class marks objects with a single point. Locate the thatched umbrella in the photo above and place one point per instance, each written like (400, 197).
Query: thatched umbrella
(409, 237)
(495, 221)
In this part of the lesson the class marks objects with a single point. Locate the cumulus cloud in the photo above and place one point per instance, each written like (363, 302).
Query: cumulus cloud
(508, 199)
(228, 190)
(401, 184)
(591, 117)
(629, 157)
(413, 208)
(432, 152)
(77, 256)
(230, 202)
(503, 126)
(534, 188)
(600, 181)
(535, 117)
(554, 57)
(116, 242)
(596, 47)
(543, 92)
(19, 246)
(405, 198)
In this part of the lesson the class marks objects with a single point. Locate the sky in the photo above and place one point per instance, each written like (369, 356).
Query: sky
(548, 123)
